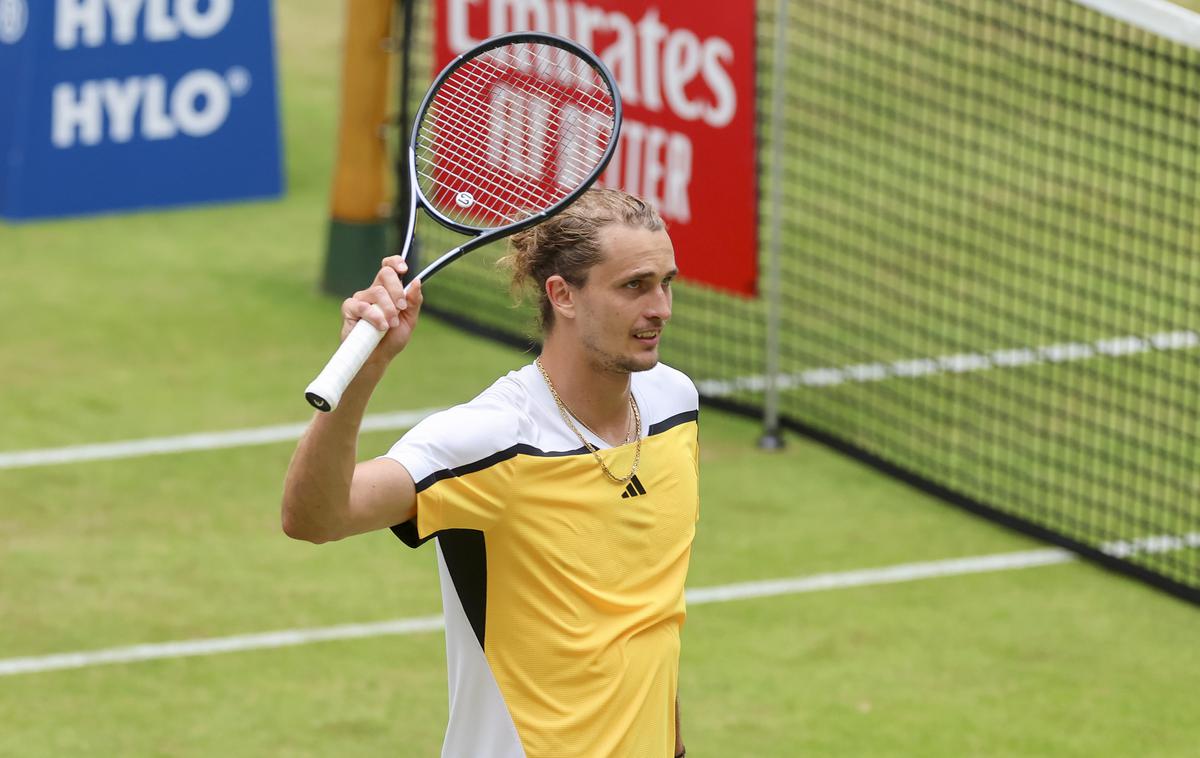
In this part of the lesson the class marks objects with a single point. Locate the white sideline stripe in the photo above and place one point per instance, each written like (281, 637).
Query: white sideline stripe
(910, 368)
(905, 572)
(186, 648)
(908, 572)
(887, 575)
(960, 363)
(1159, 17)
(190, 442)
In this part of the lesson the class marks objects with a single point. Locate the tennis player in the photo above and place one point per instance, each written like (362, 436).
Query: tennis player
(563, 498)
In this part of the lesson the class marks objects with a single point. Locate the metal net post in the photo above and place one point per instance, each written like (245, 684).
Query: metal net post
(772, 437)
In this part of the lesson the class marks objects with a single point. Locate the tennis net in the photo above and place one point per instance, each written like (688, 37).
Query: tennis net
(988, 261)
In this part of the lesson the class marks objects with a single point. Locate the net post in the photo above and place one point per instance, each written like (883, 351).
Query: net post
(358, 221)
(772, 436)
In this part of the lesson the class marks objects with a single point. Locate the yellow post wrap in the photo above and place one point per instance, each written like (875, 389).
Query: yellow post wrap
(360, 180)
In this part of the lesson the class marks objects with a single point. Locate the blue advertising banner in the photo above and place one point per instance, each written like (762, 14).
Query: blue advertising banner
(115, 104)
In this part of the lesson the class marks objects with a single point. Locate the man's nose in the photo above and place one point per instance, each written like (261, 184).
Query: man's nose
(659, 307)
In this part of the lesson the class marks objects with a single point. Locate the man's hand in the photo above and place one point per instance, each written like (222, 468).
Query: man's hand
(386, 305)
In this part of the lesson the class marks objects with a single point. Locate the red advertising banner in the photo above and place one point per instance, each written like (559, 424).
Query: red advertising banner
(686, 75)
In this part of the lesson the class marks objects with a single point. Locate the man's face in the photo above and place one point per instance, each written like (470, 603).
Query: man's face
(622, 308)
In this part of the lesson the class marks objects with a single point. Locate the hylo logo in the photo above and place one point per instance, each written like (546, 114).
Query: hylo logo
(86, 21)
(197, 105)
(14, 16)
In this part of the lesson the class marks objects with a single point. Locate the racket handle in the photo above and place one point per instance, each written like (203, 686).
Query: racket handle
(326, 390)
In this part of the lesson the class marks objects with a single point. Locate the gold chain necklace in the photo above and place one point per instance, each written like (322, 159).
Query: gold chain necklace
(629, 428)
(566, 415)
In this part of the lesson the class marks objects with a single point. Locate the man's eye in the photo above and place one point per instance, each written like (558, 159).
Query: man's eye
(634, 284)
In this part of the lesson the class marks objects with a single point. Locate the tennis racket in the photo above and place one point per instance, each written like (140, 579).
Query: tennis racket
(508, 134)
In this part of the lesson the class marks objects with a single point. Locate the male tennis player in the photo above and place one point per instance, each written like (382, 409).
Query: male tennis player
(563, 497)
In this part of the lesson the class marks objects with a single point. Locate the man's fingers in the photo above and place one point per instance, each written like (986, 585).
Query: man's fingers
(396, 263)
(361, 306)
(382, 298)
(382, 303)
(414, 293)
(390, 281)
(374, 313)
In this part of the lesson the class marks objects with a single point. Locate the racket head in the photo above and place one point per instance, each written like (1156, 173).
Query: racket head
(512, 131)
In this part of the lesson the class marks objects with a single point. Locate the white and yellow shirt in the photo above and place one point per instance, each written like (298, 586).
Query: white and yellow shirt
(562, 590)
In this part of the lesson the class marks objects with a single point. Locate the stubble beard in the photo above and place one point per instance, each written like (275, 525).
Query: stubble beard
(615, 363)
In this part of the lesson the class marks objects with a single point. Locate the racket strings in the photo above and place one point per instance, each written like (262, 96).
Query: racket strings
(445, 160)
(544, 76)
(590, 91)
(583, 91)
(517, 210)
(491, 172)
(576, 167)
(488, 187)
(578, 162)
(581, 160)
(551, 149)
(532, 126)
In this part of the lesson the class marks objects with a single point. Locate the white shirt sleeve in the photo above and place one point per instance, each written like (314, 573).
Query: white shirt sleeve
(458, 437)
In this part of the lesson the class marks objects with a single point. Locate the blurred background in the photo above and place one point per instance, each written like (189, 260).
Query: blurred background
(940, 297)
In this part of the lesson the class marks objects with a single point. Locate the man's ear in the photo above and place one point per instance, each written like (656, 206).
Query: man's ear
(561, 295)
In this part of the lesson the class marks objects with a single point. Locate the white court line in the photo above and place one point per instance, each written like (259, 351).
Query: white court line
(959, 363)
(212, 646)
(905, 572)
(191, 442)
(828, 376)
(888, 575)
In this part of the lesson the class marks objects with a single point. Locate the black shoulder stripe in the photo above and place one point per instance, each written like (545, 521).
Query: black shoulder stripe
(522, 449)
(674, 421)
(492, 460)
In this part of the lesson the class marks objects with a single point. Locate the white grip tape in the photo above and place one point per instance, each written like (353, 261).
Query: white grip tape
(326, 390)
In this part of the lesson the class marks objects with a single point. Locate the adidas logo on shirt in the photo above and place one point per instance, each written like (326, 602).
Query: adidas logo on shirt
(634, 488)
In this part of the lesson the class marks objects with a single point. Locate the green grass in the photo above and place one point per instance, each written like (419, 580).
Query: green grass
(209, 319)
(179, 547)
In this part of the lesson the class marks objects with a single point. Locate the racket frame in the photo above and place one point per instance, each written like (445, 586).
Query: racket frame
(484, 236)
(325, 392)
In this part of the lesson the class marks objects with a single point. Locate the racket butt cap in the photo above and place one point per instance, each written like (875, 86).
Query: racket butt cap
(318, 402)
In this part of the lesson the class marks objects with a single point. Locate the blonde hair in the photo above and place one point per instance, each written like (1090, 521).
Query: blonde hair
(568, 243)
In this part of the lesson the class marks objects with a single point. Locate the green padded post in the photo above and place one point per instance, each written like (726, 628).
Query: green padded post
(353, 254)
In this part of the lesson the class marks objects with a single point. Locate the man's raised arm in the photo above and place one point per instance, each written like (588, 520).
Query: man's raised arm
(327, 495)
